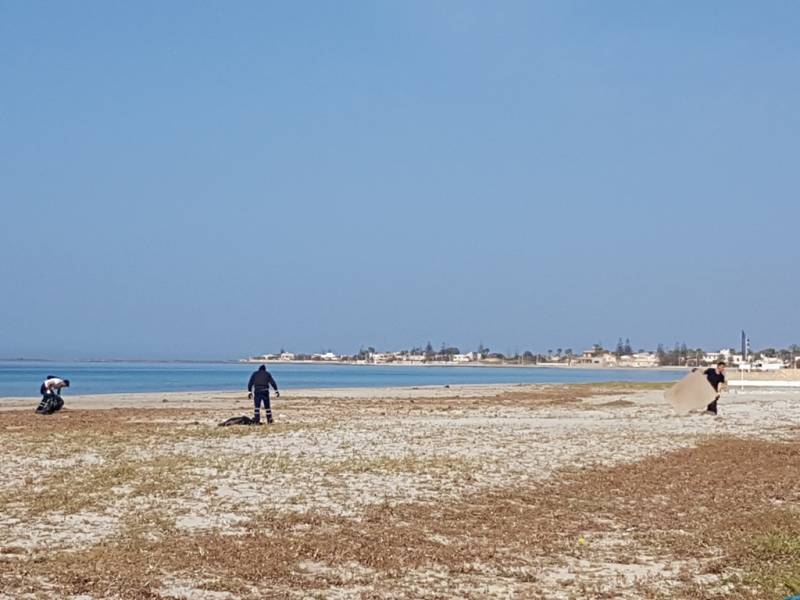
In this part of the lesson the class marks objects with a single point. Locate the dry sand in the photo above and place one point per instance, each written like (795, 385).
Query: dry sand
(779, 375)
(470, 491)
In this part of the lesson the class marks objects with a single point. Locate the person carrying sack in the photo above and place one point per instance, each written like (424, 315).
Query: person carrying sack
(716, 378)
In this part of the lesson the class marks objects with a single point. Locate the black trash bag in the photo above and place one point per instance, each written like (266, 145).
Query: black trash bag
(49, 404)
(239, 421)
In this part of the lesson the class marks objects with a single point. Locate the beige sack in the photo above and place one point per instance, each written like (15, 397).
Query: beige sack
(693, 392)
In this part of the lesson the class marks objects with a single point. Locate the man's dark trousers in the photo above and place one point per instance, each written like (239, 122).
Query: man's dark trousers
(259, 397)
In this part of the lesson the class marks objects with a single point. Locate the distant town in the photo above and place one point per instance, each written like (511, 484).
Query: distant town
(622, 356)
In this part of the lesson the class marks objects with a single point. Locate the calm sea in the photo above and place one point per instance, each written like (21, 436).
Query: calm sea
(22, 378)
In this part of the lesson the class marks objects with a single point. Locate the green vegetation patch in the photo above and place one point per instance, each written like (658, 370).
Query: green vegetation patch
(774, 559)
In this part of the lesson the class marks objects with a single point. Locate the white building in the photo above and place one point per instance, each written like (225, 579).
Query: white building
(643, 360)
(736, 359)
(287, 356)
(462, 358)
(768, 364)
(327, 356)
(413, 358)
(606, 359)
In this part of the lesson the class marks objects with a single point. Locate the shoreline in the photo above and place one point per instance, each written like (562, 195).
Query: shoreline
(222, 399)
(785, 373)
(225, 399)
(375, 391)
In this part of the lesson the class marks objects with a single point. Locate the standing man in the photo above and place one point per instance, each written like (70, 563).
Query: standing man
(258, 390)
(716, 377)
(51, 395)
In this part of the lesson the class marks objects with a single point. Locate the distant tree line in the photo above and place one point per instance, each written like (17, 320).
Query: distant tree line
(623, 349)
(445, 353)
(679, 355)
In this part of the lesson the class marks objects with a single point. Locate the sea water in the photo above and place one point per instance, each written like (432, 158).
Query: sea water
(22, 378)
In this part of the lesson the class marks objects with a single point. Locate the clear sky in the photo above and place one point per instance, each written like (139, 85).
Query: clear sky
(219, 179)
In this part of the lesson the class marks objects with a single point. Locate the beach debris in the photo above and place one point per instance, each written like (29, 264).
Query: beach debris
(243, 420)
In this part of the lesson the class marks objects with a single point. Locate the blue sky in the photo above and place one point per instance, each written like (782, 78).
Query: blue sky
(211, 180)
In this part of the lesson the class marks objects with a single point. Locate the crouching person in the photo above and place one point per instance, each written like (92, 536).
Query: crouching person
(51, 395)
(258, 390)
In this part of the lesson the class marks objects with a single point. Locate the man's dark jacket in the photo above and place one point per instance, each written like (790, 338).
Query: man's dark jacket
(260, 381)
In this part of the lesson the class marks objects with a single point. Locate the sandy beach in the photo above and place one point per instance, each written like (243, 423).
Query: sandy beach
(503, 491)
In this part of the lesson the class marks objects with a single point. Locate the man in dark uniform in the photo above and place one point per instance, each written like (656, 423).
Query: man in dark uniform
(258, 390)
(716, 377)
